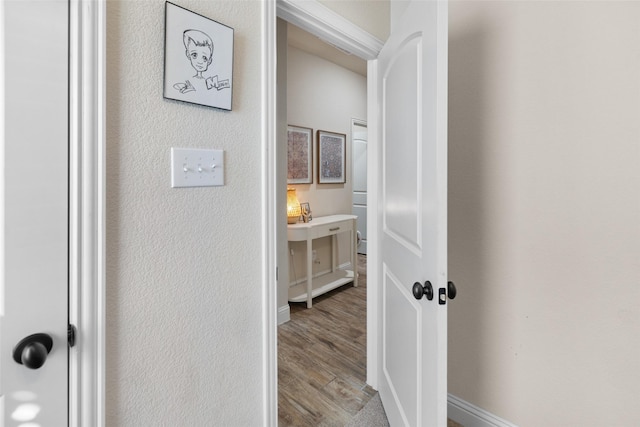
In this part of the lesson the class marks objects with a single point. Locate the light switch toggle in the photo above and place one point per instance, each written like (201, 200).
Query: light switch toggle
(189, 167)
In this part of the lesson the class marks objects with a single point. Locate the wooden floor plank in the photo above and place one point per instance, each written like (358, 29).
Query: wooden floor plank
(322, 358)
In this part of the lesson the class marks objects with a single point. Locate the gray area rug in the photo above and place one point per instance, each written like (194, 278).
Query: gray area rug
(372, 415)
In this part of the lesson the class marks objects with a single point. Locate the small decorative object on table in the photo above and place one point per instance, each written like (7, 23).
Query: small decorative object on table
(306, 212)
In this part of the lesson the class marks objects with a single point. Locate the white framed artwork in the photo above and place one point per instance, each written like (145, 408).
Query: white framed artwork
(331, 157)
(198, 59)
(299, 155)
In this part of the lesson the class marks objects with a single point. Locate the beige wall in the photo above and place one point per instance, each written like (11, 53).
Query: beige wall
(371, 15)
(544, 210)
(322, 95)
(184, 317)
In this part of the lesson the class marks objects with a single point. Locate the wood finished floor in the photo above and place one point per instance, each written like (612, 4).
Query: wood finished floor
(322, 366)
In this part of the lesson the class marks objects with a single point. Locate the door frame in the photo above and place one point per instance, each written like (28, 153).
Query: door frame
(362, 123)
(87, 50)
(322, 22)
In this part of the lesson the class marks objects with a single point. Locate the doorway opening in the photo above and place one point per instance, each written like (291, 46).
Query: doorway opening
(322, 350)
(323, 23)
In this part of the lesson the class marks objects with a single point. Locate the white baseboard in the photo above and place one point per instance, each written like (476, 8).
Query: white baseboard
(470, 415)
(284, 314)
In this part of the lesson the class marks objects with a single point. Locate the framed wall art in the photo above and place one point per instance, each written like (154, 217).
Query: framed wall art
(299, 155)
(198, 59)
(331, 157)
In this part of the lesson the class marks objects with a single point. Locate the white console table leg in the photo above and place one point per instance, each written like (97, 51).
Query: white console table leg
(334, 239)
(309, 271)
(354, 255)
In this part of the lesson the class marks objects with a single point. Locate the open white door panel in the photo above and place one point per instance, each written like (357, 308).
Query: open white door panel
(412, 72)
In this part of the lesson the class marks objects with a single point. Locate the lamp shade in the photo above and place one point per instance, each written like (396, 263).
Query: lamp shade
(293, 206)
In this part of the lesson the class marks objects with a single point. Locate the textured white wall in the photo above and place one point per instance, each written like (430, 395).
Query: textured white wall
(184, 302)
(544, 209)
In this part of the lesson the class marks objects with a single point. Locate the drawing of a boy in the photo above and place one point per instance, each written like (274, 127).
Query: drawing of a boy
(199, 51)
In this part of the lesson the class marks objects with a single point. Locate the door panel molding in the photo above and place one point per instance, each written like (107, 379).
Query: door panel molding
(402, 207)
(394, 290)
(87, 35)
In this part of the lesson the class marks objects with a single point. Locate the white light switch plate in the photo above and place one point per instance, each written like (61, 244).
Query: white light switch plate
(195, 167)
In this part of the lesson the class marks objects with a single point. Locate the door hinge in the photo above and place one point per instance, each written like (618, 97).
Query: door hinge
(71, 335)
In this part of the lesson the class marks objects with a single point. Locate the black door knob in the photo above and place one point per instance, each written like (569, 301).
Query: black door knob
(419, 291)
(32, 351)
(451, 290)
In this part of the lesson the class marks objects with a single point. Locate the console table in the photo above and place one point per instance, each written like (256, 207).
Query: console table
(321, 227)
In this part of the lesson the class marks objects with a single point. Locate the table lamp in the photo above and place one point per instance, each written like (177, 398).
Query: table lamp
(293, 206)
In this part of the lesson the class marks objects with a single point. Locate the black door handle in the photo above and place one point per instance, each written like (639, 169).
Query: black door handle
(32, 351)
(419, 291)
(451, 290)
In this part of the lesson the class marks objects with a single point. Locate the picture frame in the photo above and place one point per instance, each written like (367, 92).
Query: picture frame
(331, 157)
(198, 59)
(306, 211)
(299, 155)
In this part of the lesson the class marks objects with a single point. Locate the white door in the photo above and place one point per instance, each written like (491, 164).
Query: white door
(34, 212)
(359, 144)
(412, 73)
